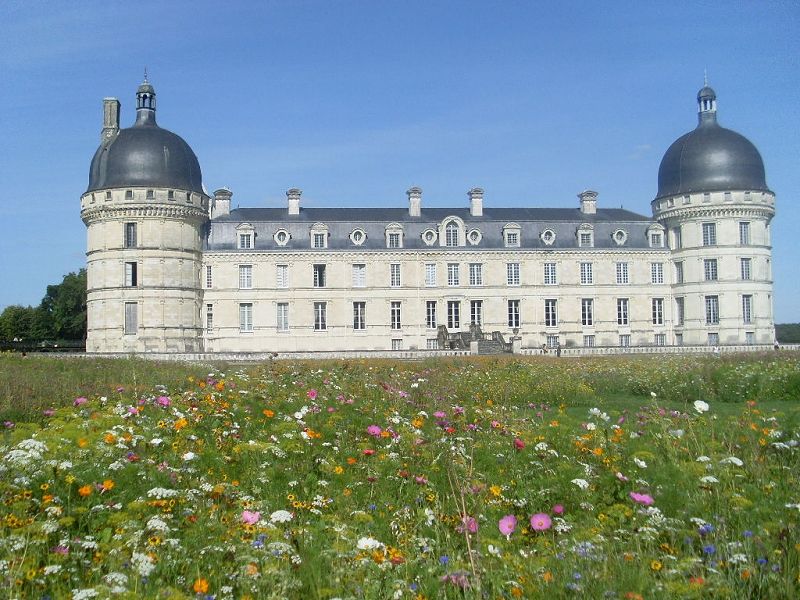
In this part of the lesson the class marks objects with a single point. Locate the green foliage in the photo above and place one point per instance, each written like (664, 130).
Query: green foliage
(788, 333)
(374, 479)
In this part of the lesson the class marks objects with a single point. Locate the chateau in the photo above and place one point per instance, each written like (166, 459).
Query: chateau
(173, 269)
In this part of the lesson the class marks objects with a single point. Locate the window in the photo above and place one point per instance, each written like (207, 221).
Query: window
(658, 311)
(359, 316)
(319, 239)
(245, 241)
(713, 339)
(451, 234)
(282, 276)
(128, 194)
(394, 313)
(552, 341)
(209, 279)
(620, 236)
(588, 341)
(712, 310)
(656, 239)
(453, 314)
(131, 318)
(706, 197)
(710, 269)
(622, 311)
(587, 312)
(587, 277)
(513, 313)
(660, 339)
(474, 237)
(709, 234)
(622, 273)
(548, 236)
(393, 239)
(320, 316)
(678, 235)
(744, 233)
(245, 277)
(585, 239)
(150, 195)
(359, 275)
(245, 318)
(130, 274)
(679, 272)
(319, 276)
(281, 237)
(209, 318)
(512, 273)
(550, 313)
(108, 195)
(679, 305)
(679, 339)
(282, 316)
(432, 344)
(746, 268)
(657, 272)
(550, 273)
(476, 312)
(511, 238)
(452, 273)
(130, 235)
(397, 344)
(625, 340)
(749, 337)
(430, 314)
(430, 274)
(429, 237)
(394, 275)
(747, 308)
(475, 274)
(358, 236)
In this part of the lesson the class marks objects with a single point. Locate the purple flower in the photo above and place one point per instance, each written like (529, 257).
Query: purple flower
(80, 401)
(163, 401)
(710, 549)
(374, 430)
(507, 525)
(644, 499)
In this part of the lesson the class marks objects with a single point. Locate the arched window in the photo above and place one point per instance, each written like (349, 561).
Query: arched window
(451, 234)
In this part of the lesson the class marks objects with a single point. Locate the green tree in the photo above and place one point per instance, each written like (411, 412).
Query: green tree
(16, 322)
(63, 308)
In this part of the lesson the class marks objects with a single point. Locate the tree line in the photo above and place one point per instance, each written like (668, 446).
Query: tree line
(61, 315)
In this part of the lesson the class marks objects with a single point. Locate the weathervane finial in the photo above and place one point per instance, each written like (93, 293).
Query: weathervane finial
(145, 74)
(705, 77)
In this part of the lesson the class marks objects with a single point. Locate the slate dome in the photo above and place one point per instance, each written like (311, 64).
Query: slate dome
(145, 155)
(710, 158)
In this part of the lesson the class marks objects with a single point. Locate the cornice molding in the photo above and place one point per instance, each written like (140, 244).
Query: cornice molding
(689, 212)
(191, 213)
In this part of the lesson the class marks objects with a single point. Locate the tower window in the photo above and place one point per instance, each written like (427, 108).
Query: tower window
(128, 194)
(130, 235)
(171, 195)
(151, 194)
(131, 318)
(131, 279)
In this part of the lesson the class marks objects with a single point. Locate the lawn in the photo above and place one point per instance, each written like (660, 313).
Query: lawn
(471, 478)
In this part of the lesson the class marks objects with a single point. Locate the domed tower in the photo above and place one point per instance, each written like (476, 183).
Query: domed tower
(714, 201)
(146, 211)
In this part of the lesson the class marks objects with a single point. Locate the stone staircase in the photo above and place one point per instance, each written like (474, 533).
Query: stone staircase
(491, 347)
(488, 343)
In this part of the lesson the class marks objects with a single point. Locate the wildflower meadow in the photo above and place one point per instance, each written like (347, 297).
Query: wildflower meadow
(623, 478)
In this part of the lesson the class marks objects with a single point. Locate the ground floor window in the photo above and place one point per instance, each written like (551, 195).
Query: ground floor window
(246, 317)
(588, 341)
(552, 341)
(625, 340)
(320, 316)
(131, 318)
(432, 344)
(397, 344)
(661, 339)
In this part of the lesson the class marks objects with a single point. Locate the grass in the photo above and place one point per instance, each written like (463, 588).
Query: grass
(377, 479)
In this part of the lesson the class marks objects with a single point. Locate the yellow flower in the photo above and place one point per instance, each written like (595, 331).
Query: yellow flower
(547, 576)
(495, 490)
(338, 470)
(180, 424)
(656, 565)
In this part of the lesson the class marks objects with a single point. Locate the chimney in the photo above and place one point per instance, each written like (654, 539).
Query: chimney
(110, 119)
(293, 195)
(588, 202)
(221, 204)
(414, 201)
(475, 202)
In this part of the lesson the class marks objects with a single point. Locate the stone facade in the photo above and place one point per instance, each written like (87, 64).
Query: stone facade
(171, 269)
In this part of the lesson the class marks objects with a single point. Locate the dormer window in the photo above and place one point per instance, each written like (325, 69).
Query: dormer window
(655, 234)
(620, 236)
(451, 234)
(548, 237)
(282, 237)
(246, 236)
(511, 235)
(585, 235)
(358, 237)
(319, 236)
(474, 237)
(429, 237)
(394, 236)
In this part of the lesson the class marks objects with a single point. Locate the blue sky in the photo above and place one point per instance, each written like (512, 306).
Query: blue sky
(354, 102)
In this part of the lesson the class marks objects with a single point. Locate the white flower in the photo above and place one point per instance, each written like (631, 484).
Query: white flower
(156, 524)
(701, 406)
(709, 479)
(188, 456)
(142, 563)
(591, 427)
(640, 463)
(732, 460)
(84, 594)
(678, 433)
(581, 483)
(797, 506)
(702, 459)
(595, 412)
(493, 550)
(281, 516)
(156, 441)
(368, 543)
(52, 569)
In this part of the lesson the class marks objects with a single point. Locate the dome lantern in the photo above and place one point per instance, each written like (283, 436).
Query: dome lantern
(145, 103)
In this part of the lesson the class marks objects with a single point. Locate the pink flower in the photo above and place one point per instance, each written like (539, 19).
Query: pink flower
(458, 410)
(558, 509)
(519, 444)
(80, 401)
(507, 525)
(312, 394)
(620, 476)
(540, 522)
(250, 517)
(163, 401)
(369, 452)
(644, 499)
(374, 430)
(420, 479)
(469, 524)
(439, 414)
(496, 425)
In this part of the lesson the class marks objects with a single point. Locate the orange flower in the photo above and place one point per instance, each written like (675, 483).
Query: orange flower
(83, 442)
(268, 413)
(180, 424)
(108, 484)
(85, 490)
(109, 438)
(200, 585)
(351, 460)
(547, 576)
